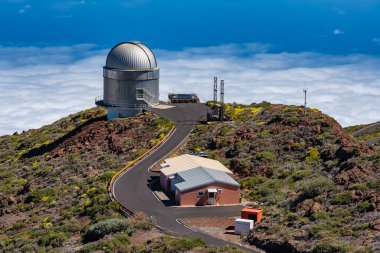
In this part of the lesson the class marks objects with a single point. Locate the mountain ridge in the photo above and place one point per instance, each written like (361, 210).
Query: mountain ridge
(318, 185)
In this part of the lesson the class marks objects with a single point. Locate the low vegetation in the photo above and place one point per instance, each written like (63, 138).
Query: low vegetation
(317, 184)
(53, 191)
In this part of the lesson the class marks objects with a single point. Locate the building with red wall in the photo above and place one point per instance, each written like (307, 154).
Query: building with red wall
(171, 166)
(202, 186)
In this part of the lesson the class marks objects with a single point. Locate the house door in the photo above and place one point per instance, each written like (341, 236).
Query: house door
(211, 198)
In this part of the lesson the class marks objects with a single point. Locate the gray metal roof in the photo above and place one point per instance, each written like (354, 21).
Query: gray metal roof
(201, 176)
(131, 55)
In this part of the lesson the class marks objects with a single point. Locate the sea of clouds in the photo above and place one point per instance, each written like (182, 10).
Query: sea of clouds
(40, 85)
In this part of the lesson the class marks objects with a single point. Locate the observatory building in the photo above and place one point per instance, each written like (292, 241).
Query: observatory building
(131, 80)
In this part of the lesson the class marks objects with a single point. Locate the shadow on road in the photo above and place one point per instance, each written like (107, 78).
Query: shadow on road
(167, 198)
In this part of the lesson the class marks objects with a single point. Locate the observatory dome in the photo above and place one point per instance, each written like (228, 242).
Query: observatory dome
(132, 55)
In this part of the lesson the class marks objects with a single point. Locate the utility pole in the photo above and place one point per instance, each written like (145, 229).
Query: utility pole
(215, 90)
(305, 103)
(222, 100)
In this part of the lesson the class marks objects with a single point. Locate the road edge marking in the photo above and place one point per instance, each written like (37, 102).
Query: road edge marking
(186, 226)
(133, 163)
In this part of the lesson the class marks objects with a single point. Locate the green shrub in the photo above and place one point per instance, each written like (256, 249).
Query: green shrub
(243, 117)
(98, 204)
(374, 184)
(106, 176)
(17, 226)
(250, 182)
(71, 227)
(273, 198)
(54, 240)
(312, 155)
(303, 220)
(360, 186)
(291, 216)
(269, 186)
(294, 120)
(141, 221)
(343, 198)
(118, 243)
(224, 131)
(266, 156)
(329, 246)
(184, 244)
(316, 230)
(320, 215)
(265, 134)
(342, 213)
(313, 187)
(297, 145)
(110, 226)
(300, 174)
(39, 194)
(364, 206)
(264, 104)
(167, 244)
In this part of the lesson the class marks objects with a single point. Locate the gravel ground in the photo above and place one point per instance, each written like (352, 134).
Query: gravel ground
(219, 227)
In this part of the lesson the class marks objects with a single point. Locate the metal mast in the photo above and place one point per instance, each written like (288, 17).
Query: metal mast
(215, 90)
(222, 99)
(305, 103)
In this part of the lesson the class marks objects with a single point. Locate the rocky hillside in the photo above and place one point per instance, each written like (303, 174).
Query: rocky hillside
(318, 185)
(53, 186)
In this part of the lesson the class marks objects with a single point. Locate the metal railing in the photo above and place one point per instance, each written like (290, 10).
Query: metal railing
(100, 102)
(145, 96)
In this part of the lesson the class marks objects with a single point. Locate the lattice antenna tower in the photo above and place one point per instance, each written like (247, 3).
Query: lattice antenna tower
(222, 99)
(215, 90)
(305, 102)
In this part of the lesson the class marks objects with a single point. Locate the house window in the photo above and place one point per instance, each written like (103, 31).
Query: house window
(200, 194)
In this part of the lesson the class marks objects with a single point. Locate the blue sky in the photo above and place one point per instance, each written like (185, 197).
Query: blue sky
(325, 26)
(52, 53)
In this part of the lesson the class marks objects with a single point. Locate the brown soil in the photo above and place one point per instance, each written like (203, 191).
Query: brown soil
(219, 227)
(142, 236)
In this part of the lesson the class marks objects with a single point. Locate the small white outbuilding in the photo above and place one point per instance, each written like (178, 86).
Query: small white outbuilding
(243, 226)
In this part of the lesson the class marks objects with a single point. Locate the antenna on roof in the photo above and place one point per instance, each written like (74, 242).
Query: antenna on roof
(305, 102)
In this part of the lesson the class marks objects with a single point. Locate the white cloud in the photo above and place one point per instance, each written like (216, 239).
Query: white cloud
(376, 41)
(64, 5)
(339, 32)
(41, 85)
(63, 16)
(23, 10)
(134, 3)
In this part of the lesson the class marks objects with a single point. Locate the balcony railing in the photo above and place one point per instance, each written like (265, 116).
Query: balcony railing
(100, 102)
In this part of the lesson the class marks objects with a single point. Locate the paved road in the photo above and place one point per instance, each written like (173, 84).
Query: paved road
(132, 189)
(374, 141)
(366, 129)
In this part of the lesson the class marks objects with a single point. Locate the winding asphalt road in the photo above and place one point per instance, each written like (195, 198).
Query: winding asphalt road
(132, 190)
(366, 129)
